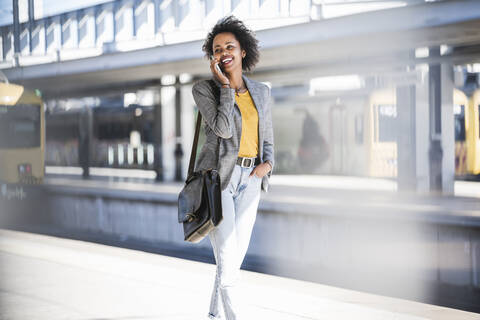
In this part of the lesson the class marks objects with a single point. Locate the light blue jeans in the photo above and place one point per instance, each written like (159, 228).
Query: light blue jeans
(230, 239)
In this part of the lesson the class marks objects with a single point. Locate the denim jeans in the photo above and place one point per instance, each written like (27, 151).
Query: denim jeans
(230, 239)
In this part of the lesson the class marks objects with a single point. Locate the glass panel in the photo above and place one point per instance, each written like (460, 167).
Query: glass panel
(387, 123)
(459, 114)
(19, 126)
(359, 129)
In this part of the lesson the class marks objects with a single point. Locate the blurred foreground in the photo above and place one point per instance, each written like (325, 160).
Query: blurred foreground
(353, 233)
(50, 278)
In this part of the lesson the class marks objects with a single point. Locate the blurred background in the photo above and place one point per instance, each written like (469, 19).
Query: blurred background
(376, 113)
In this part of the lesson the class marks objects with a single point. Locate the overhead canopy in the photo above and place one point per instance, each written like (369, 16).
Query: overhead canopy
(362, 42)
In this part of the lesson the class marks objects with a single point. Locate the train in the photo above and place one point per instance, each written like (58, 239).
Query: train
(467, 134)
(355, 133)
(22, 134)
(352, 133)
(104, 136)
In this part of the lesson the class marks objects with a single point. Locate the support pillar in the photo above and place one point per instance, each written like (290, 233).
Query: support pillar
(448, 129)
(406, 140)
(158, 137)
(422, 131)
(435, 151)
(85, 140)
(178, 131)
(442, 141)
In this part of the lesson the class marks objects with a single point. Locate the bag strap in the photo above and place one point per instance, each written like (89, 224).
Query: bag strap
(193, 154)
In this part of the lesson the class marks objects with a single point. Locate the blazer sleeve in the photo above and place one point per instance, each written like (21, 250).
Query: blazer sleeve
(217, 115)
(268, 152)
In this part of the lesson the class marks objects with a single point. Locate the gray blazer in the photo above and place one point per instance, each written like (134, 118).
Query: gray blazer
(223, 127)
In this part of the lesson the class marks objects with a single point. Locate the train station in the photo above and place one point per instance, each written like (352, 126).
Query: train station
(367, 154)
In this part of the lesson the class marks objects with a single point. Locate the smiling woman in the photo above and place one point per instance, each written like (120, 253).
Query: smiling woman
(239, 144)
(242, 35)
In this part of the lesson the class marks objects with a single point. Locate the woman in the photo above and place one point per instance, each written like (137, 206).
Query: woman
(239, 144)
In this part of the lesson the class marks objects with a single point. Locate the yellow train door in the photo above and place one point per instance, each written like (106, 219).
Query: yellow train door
(382, 136)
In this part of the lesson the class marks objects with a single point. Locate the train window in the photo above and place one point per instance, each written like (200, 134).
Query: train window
(62, 126)
(387, 123)
(114, 131)
(20, 126)
(459, 114)
(359, 129)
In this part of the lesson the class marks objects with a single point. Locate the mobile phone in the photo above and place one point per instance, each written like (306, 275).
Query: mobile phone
(217, 65)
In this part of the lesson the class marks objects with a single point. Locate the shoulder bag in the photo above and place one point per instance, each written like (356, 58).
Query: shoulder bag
(200, 201)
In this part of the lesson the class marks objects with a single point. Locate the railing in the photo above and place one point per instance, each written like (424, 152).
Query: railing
(134, 24)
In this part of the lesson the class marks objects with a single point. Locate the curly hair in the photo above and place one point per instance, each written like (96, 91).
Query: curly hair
(244, 36)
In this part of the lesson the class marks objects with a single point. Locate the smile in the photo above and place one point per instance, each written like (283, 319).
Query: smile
(227, 61)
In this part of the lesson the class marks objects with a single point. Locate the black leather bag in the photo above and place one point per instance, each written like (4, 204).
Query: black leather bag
(200, 201)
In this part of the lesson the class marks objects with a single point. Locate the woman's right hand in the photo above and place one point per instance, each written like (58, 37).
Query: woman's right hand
(217, 74)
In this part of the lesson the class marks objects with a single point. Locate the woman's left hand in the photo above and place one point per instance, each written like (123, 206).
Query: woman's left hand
(261, 170)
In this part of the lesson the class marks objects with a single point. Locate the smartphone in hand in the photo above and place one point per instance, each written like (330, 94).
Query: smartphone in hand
(217, 66)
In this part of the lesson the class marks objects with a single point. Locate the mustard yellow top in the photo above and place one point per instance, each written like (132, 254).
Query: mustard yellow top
(249, 139)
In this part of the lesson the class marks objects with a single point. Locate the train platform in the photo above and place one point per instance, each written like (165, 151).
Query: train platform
(371, 197)
(462, 188)
(44, 277)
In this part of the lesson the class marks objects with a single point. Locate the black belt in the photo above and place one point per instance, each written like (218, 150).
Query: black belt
(247, 162)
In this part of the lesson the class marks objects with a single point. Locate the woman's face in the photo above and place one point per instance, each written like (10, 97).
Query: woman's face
(227, 50)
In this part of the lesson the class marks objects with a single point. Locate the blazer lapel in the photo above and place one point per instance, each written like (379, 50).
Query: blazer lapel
(257, 98)
(238, 115)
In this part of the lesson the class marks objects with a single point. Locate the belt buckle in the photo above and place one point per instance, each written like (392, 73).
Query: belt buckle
(249, 164)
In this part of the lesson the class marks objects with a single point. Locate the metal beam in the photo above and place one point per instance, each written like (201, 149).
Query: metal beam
(31, 23)
(16, 28)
